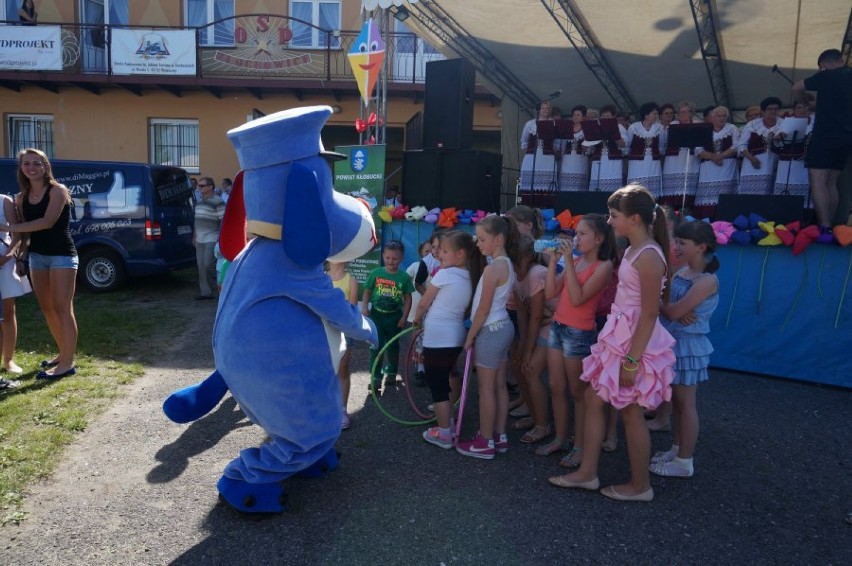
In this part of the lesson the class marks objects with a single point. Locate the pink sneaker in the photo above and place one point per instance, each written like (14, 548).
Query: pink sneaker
(479, 447)
(433, 436)
(501, 443)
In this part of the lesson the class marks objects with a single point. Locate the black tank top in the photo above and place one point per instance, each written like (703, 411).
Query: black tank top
(55, 240)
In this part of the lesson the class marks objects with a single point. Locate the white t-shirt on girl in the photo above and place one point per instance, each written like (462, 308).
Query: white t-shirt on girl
(444, 323)
(415, 296)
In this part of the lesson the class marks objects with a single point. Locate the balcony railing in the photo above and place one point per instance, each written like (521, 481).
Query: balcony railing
(259, 46)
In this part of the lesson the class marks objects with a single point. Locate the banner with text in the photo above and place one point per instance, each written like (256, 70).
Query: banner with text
(153, 52)
(362, 175)
(31, 48)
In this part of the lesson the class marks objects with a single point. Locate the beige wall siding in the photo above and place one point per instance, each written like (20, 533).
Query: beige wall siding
(113, 126)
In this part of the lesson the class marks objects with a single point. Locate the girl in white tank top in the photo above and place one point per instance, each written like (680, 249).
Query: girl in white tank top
(491, 331)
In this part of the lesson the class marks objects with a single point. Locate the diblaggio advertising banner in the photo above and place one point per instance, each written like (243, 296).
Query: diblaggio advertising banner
(153, 52)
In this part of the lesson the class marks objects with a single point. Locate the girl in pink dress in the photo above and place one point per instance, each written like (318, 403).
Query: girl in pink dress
(631, 366)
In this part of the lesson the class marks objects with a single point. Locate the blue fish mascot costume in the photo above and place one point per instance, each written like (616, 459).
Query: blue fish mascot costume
(278, 338)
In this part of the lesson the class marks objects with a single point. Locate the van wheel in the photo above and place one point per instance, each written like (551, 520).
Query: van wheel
(102, 270)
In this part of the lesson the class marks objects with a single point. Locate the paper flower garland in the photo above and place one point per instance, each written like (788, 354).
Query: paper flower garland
(385, 213)
(723, 231)
(399, 212)
(448, 218)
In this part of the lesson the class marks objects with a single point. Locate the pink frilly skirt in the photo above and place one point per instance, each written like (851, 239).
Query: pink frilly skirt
(654, 377)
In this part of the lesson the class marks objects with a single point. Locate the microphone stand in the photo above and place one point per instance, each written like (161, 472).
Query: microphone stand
(686, 179)
(775, 69)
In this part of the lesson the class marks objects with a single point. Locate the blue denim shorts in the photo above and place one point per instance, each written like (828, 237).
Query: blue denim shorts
(573, 342)
(39, 261)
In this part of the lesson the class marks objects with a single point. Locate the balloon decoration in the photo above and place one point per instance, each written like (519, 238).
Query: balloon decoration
(362, 125)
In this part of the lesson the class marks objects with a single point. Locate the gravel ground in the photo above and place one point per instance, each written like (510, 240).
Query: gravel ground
(772, 486)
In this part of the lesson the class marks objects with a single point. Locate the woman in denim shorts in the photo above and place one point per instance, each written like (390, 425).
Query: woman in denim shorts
(44, 231)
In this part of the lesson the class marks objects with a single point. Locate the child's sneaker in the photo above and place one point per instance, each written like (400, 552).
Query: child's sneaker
(375, 386)
(676, 468)
(666, 456)
(501, 443)
(390, 381)
(479, 447)
(433, 436)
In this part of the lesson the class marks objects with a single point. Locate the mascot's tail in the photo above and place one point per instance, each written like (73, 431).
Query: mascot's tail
(193, 402)
(232, 237)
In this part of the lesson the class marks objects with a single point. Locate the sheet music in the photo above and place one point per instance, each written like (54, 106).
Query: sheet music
(794, 128)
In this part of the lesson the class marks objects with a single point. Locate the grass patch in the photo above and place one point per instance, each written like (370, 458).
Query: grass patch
(118, 334)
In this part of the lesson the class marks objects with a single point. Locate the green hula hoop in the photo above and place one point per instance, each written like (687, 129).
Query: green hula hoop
(373, 391)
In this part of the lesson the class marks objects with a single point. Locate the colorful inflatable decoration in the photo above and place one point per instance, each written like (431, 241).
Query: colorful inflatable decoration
(366, 57)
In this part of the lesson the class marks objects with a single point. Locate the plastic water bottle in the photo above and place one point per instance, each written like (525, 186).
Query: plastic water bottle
(577, 253)
(541, 245)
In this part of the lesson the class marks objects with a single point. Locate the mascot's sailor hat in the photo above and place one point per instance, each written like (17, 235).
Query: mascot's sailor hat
(287, 193)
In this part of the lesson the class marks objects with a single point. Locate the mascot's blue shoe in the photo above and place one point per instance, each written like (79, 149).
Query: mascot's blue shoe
(193, 402)
(321, 467)
(252, 497)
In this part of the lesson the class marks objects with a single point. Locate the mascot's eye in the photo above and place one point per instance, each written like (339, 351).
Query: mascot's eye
(362, 48)
(374, 46)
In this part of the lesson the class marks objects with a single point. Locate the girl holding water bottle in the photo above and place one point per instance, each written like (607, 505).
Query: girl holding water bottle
(573, 330)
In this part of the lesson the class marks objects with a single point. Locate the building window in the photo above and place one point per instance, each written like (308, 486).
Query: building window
(201, 13)
(10, 10)
(175, 142)
(30, 131)
(322, 13)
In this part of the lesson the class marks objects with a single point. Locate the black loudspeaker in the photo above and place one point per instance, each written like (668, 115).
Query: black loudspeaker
(420, 183)
(778, 208)
(448, 105)
(470, 179)
(582, 202)
(414, 133)
(464, 179)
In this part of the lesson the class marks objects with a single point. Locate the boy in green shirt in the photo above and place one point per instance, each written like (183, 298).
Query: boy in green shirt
(388, 290)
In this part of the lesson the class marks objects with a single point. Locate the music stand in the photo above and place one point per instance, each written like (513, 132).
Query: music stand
(602, 130)
(546, 130)
(564, 128)
(690, 136)
(795, 131)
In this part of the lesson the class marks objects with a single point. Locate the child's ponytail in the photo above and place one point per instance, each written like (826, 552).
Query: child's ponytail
(474, 260)
(524, 213)
(512, 240)
(660, 229)
(701, 232)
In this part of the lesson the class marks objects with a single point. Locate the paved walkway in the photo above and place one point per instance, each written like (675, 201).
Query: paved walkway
(772, 486)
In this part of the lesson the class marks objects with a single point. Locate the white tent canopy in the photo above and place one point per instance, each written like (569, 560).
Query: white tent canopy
(652, 47)
(594, 52)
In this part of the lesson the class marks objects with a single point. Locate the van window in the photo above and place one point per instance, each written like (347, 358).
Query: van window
(171, 186)
(102, 191)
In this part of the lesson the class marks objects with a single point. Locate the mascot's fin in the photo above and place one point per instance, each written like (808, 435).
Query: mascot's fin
(322, 466)
(193, 402)
(304, 214)
(252, 497)
(232, 237)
